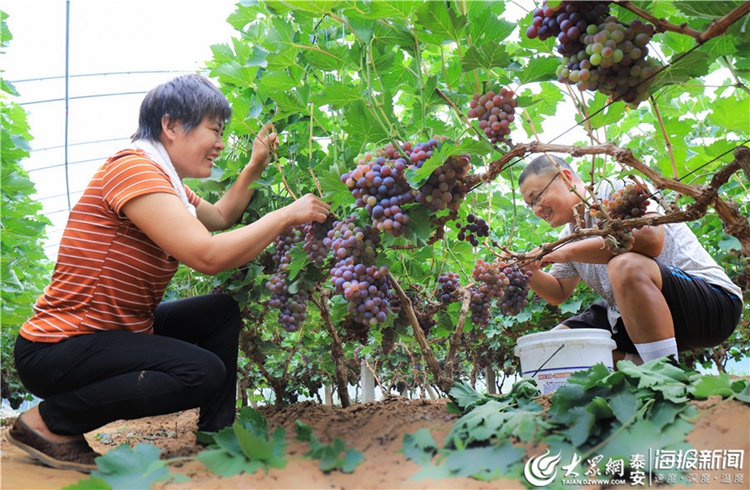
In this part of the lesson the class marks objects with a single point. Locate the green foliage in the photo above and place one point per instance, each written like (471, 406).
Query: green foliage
(598, 412)
(126, 468)
(245, 447)
(23, 264)
(330, 455)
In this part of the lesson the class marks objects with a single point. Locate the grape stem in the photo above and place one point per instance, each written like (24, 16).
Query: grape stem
(337, 352)
(315, 179)
(445, 383)
(655, 107)
(455, 341)
(462, 115)
(716, 28)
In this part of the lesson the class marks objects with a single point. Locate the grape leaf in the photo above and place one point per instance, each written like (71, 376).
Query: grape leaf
(337, 96)
(582, 423)
(665, 413)
(232, 73)
(331, 58)
(682, 68)
(419, 226)
(299, 256)
(486, 56)
(465, 395)
(242, 16)
(329, 454)
(623, 402)
(334, 191)
(709, 385)
(707, 9)
(724, 113)
(361, 125)
(132, 468)
(419, 447)
(485, 25)
(352, 458)
(417, 177)
(483, 463)
(439, 23)
(90, 483)
(742, 390)
(644, 435)
(473, 461)
(540, 69)
(245, 446)
(395, 8)
(490, 421)
(227, 464)
(280, 44)
(433, 472)
(278, 80)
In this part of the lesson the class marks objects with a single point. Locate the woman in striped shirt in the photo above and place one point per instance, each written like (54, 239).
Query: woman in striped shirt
(101, 345)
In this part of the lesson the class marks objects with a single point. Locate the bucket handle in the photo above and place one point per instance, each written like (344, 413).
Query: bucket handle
(548, 359)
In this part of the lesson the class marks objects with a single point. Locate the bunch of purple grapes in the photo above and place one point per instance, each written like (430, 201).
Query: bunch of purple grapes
(620, 241)
(489, 283)
(495, 112)
(355, 331)
(516, 292)
(449, 283)
(292, 307)
(317, 244)
(378, 183)
(379, 186)
(599, 52)
(566, 22)
(614, 61)
(630, 201)
(355, 275)
(388, 342)
(446, 187)
(477, 227)
(426, 323)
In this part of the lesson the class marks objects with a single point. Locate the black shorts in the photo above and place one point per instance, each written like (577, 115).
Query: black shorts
(704, 315)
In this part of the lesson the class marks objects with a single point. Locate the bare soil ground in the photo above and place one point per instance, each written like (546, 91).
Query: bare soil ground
(376, 429)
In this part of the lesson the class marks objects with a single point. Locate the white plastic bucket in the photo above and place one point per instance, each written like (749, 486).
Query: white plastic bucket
(550, 357)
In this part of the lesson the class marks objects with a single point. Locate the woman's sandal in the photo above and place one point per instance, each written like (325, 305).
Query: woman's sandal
(74, 455)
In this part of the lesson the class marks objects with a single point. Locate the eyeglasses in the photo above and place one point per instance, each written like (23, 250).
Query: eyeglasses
(539, 198)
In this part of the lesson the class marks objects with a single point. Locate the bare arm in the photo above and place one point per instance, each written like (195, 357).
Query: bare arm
(649, 241)
(164, 218)
(550, 288)
(229, 208)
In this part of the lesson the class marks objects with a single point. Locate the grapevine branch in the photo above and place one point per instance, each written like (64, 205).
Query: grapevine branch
(734, 223)
(455, 341)
(717, 28)
(337, 352)
(445, 383)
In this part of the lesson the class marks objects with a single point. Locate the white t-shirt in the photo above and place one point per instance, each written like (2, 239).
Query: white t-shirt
(681, 249)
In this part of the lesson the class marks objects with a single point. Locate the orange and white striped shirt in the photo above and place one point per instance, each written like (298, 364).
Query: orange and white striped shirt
(109, 275)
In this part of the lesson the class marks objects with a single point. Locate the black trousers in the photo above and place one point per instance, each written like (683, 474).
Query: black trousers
(704, 315)
(91, 380)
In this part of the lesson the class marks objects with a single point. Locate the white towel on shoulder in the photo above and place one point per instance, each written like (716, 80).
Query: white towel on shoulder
(158, 154)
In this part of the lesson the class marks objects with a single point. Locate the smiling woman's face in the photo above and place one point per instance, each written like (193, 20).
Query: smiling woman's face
(193, 153)
(550, 197)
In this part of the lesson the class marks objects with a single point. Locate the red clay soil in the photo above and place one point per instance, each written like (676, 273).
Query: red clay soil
(376, 429)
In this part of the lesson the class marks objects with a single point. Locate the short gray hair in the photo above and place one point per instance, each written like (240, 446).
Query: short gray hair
(542, 165)
(187, 99)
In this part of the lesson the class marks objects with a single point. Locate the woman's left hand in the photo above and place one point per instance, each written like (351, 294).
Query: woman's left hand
(264, 143)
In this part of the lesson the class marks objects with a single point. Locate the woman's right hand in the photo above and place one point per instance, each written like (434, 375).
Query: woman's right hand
(306, 209)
